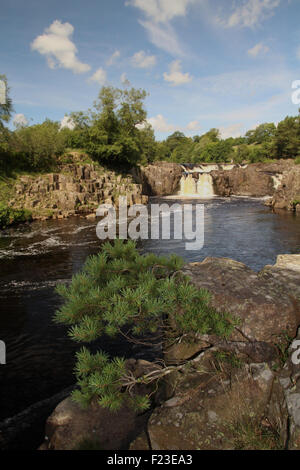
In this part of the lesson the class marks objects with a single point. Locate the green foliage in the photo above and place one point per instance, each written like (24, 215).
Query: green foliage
(262, 133)
(9, 216)
(39, 145)
(287, 138)
(118, 289)
(227, 358)
(114, 131)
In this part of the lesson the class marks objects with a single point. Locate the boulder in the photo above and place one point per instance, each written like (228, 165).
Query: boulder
(70, 426)
(265, 305)
(212, 408)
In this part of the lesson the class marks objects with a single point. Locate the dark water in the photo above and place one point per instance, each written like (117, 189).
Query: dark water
(40, 357)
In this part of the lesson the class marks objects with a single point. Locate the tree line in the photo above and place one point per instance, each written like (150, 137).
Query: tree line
(115, 132)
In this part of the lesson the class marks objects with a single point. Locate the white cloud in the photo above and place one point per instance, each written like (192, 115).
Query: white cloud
(251, 13)
(193, 126)
(158, 14)
(142, 60)
(115, 56)
(20, 120)
(67, 122)
(99, 77)
(160, 124)
(259, 48)
(161, 11)
(176, 77)
(164, 37)
(58, 48)
(234, 130)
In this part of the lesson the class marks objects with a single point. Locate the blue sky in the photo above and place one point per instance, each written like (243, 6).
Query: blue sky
(228, 64)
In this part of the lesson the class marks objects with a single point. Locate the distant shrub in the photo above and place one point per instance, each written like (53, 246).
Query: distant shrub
(9, 216)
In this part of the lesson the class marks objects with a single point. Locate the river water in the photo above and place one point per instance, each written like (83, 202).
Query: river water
(35, 257)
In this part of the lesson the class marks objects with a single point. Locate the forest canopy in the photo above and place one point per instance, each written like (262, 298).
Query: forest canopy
(115, 132)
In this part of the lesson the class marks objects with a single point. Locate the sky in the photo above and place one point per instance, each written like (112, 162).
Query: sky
(228, 64)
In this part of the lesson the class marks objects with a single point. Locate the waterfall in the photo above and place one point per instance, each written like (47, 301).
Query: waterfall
(203, 187)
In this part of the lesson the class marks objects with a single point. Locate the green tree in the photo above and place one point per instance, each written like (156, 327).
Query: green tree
(114, 134)
(262, 133)
(39, 145)
(120, 292)
(286, 142)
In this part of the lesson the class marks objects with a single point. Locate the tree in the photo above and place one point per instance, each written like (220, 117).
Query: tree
(120, 292)
(114, 134)
(39, 145)
(286, 142)
(262, 133)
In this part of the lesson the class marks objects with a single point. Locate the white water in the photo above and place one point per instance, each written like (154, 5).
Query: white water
(201, 187)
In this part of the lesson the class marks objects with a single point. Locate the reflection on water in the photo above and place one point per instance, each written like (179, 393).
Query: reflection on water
(33, 258)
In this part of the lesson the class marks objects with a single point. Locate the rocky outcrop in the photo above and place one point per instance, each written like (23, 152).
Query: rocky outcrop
(255, 180)
(72, 427)
(238, 393)
(159, 179)
(265, 305)
(287, 195)
(213, 402)
(75, 189)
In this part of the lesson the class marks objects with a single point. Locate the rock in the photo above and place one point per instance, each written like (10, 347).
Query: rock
(159, 179)
(70, 426)
(255, 180)
(140, 443)
(284, 408)
(287, 196)
(289, 262)
(76, 187)
(265, 307)
(209, 408)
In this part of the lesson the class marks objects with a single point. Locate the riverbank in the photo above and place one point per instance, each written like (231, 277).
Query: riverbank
(78, 187)
(239, 394)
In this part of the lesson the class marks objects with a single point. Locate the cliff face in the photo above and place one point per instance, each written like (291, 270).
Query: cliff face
(159, 179)
(287, 196)
(76, 189)
(255, 180)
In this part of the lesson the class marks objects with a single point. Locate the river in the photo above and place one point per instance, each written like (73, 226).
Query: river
(35, 257)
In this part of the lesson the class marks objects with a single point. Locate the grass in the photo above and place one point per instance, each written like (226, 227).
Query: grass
(250, 433)
(228, 359)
